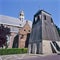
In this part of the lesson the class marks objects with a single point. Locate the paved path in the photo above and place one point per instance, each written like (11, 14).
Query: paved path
(29, 57)
(51, 57)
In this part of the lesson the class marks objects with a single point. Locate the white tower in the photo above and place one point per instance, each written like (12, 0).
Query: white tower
(21, 15)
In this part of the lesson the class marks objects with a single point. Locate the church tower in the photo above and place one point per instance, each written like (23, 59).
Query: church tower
(44, 37)
(21, 15)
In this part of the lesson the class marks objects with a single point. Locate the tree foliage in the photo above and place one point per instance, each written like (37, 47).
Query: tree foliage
(4, 31)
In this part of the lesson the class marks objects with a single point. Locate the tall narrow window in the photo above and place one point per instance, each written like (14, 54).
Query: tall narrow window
(44, 17)
(51, 20)
(38, 17)
(35, 19)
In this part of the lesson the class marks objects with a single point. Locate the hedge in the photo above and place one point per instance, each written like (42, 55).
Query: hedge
(13, 51)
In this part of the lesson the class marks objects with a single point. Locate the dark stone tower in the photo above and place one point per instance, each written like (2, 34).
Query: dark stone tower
(43, 33)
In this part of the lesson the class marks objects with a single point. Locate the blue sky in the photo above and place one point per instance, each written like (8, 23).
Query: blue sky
(30, 7)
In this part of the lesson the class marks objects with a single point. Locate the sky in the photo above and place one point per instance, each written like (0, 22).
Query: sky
(30, 7)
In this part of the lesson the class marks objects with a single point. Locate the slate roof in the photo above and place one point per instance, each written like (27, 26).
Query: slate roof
(13, 21)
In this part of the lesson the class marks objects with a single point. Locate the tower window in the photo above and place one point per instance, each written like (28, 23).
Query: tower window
(51, 20)
(21, 15)
(38, 17)
(35, 18)
(44, 17)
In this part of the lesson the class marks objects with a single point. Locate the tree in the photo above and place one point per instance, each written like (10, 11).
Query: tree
(4, 31)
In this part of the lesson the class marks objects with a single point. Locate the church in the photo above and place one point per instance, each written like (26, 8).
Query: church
(19, 30)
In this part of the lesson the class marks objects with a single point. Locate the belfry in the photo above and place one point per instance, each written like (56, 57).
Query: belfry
(44, 38)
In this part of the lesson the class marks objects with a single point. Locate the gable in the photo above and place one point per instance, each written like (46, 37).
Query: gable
(25, 29)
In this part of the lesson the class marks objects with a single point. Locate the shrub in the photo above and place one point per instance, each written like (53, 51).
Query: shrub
(13, 51)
